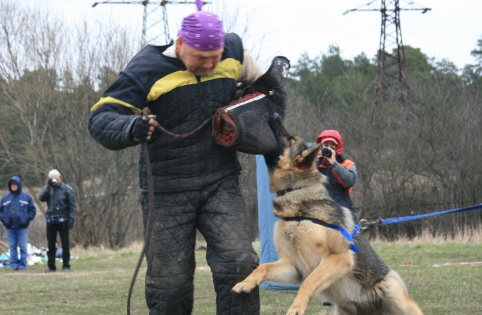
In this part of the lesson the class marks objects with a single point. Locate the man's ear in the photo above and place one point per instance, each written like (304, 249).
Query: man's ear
(179, 43)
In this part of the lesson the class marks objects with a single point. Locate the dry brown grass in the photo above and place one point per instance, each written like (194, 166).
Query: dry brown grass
(78, 251)
(468, 236)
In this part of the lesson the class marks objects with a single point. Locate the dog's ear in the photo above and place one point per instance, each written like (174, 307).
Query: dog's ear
(308, 157)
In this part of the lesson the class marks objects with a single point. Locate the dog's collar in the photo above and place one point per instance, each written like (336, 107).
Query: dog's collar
(284, 191)
(344, 232)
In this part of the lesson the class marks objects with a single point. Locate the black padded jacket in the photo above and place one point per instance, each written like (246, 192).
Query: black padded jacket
(60, 201)
(181, 102)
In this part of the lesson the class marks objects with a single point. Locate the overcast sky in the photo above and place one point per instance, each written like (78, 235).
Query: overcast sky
(449, 31)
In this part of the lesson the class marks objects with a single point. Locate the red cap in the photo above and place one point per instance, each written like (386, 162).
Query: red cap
(334, 136)
(329, 139)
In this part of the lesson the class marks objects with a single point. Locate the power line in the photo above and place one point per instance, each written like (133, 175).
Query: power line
(155, 24)
(392, 81)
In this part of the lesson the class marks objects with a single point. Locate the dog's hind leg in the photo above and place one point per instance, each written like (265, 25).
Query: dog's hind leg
(402, 304)
(330, 270)
(398, 301)
(281, 271)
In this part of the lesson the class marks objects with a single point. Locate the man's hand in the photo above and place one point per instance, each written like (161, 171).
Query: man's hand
(143, 128)
(330, 159)
(71, 223)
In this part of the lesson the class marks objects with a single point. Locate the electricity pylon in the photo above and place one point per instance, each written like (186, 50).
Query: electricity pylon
(155, 26)
(392, 81)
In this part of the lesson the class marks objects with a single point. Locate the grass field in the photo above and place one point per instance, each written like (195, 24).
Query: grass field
(99, 283)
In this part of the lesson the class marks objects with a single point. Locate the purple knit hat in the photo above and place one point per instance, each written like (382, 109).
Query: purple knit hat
(202, 30)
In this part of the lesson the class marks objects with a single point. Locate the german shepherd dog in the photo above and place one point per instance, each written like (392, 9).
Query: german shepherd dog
(315, 244)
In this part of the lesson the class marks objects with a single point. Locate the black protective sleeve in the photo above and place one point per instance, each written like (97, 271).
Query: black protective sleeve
(111, 126)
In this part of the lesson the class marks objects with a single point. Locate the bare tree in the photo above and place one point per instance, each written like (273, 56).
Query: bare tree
(48, 80)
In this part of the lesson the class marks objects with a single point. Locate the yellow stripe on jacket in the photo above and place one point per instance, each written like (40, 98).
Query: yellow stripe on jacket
(228, 68)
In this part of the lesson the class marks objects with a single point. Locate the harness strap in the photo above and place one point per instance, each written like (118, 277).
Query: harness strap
(344, 232)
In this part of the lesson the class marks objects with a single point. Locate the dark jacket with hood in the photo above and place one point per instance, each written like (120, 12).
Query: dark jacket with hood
(17, 208)
(181, 101)
(341, 175)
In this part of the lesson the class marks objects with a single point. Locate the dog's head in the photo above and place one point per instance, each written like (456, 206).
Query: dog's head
(294, 161)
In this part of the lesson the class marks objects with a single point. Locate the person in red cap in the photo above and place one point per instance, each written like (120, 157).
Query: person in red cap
(196, 180)
(340, 171)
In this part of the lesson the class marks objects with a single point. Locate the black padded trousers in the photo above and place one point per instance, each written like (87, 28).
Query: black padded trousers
(219, 213)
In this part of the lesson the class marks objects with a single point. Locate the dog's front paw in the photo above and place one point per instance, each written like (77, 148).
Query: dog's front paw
(296, 310)
(243, 287)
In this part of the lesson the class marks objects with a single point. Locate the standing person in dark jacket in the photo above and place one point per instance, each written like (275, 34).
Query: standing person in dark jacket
(17, 209)
(341, 172)
(195, 180)
(60, 217)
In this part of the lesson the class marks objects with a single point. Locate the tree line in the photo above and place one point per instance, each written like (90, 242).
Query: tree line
(417, 158)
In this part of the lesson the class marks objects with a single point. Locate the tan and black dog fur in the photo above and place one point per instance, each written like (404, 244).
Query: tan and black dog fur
(319, 257)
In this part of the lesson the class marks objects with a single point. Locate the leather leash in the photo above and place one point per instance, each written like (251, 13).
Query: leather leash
(175, 135)
(150, 221)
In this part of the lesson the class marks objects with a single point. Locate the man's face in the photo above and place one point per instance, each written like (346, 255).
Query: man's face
(13, 186)
(329, 144)
(56, 181)
(199, 62)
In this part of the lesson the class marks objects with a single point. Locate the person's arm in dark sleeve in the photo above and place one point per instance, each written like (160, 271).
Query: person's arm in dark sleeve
(115, 120)
(111, 125)
(71, 205)
(346, 177)
(71, 197)
(44, 194)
